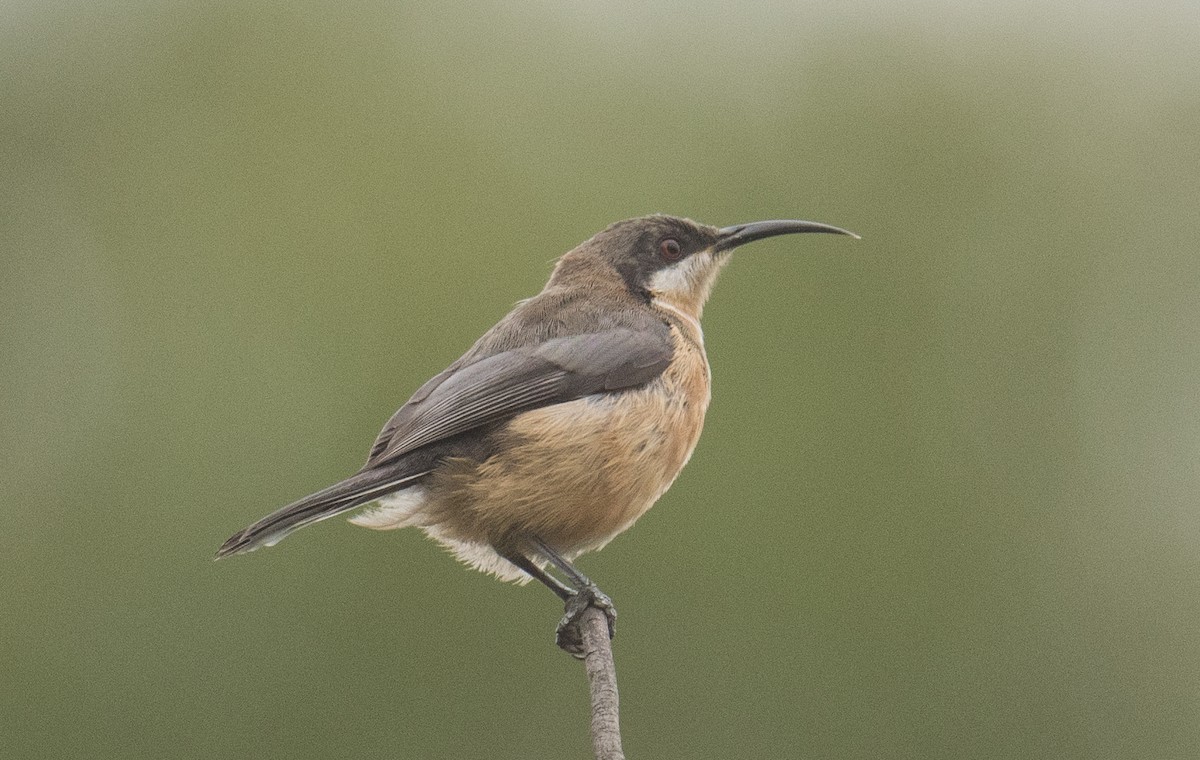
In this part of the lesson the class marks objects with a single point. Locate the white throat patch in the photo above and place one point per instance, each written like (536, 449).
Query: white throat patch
(685, 286)
(684, 279)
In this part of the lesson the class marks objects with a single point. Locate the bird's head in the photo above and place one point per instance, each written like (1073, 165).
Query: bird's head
(667, 257)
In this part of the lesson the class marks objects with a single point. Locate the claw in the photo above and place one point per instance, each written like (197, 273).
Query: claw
(569, 635)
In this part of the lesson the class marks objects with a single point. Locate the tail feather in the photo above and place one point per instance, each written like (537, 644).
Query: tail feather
(328, 502)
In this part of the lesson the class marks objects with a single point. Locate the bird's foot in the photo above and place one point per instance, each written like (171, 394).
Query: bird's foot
(569, 636)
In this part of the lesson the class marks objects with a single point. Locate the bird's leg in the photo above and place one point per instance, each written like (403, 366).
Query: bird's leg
(587, 594)
(563, 591)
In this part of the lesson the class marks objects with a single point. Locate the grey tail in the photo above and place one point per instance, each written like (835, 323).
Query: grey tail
(352, 492)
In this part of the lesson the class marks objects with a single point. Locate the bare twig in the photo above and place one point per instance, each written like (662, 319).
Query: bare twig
(602, 680)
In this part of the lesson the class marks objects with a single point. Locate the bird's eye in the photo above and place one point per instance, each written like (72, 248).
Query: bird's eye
(670, 249)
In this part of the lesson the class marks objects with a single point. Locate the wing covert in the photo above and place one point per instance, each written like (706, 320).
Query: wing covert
(496, 387)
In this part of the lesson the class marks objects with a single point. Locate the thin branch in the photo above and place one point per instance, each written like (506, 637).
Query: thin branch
(602, 680)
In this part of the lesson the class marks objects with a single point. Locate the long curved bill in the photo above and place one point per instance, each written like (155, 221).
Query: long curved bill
(740, 234)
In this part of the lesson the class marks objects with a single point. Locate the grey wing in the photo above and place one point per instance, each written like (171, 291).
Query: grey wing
(499, 386)
(403, 413)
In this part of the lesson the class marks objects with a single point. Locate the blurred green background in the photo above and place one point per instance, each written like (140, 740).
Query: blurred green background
(946, 502)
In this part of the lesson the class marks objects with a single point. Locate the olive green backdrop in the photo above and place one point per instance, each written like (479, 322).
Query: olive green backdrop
(946, 504)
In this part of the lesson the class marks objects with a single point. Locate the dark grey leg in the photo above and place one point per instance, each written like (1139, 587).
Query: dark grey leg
(554, 584)
(588, 594)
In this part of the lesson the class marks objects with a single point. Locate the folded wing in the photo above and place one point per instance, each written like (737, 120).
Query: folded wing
(499, 386)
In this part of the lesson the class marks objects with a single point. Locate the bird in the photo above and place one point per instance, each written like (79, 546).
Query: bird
(562, 425)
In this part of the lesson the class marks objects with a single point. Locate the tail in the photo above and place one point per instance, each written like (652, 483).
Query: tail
(352, 492)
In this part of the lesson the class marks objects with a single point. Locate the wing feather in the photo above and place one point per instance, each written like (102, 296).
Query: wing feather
(471, 395)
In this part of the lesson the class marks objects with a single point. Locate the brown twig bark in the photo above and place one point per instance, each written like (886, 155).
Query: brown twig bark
(602, 681)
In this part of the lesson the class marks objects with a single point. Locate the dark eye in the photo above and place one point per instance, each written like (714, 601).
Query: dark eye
(670, 249)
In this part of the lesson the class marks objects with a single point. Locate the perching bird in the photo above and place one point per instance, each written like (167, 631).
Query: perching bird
(562, 425)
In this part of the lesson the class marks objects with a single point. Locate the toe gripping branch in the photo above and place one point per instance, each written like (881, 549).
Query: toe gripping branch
(569, 634)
